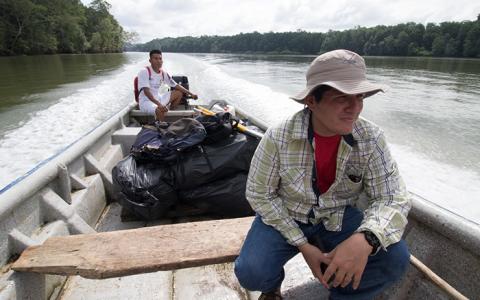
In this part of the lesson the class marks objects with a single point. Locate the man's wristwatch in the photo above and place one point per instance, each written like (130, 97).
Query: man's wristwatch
(372, 240)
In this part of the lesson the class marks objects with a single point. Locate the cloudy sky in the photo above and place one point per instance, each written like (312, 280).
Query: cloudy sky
(171, 18)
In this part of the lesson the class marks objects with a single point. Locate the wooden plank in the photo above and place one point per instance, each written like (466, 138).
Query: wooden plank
(135, 251)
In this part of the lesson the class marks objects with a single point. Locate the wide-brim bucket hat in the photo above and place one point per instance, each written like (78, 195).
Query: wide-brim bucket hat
(341, 69)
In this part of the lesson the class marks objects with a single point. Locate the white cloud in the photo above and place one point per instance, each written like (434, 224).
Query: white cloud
(170, 18)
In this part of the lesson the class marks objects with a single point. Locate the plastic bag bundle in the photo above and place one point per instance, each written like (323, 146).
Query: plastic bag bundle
(144, 188)
(211, 162)
(224, 198)
(178, 164)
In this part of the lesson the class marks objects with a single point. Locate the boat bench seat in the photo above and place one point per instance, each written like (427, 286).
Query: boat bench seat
(170, 113)
(141, 117)
(126, 137)
(136, 251)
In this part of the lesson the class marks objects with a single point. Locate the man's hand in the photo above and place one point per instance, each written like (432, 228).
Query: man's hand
(186, 92)
(161, 108)
(314, 257)
(348, 261)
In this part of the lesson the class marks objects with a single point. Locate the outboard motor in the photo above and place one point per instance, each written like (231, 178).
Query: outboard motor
(183, 81)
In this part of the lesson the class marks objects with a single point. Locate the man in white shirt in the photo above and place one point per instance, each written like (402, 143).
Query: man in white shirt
(158, 91)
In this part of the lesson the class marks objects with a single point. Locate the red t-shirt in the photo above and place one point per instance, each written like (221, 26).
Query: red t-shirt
(326, 149)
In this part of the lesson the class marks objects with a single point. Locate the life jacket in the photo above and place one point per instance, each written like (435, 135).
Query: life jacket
(136, 92)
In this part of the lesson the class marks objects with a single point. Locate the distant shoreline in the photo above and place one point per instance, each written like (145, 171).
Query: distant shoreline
(303, 54)
(236, 53)
(447, 39)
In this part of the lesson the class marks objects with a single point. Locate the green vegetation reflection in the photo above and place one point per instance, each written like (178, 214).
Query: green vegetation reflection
(23, 78)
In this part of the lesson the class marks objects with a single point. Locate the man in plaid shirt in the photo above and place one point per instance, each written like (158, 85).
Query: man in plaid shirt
(305, 182)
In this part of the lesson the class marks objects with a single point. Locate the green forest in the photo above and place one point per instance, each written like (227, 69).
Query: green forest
(58, 26)
(449, 39)
(68, 26)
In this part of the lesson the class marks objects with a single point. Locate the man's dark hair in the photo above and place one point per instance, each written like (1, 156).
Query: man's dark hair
(155, 51)
(319, 91)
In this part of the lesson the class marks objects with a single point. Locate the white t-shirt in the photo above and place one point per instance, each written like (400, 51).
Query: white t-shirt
(158, 84)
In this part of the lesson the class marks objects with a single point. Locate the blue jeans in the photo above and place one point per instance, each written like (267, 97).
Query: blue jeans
(259, 267)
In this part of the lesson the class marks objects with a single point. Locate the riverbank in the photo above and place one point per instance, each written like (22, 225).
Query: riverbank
(452, 39)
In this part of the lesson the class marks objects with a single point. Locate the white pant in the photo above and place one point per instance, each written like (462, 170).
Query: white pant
(149, 107)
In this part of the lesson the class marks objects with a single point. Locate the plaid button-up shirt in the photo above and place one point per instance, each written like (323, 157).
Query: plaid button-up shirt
(281, 186)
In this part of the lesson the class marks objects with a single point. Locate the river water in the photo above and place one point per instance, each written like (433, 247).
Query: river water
(430, 113)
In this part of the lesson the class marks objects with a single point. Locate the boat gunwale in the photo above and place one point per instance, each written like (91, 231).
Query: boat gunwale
(46, 171)
(464, 232)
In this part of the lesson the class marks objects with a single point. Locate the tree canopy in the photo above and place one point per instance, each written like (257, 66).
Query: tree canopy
(452, 39)
(58, 26)
(67, 26)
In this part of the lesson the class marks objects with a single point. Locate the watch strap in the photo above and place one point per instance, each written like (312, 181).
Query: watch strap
(372, 240)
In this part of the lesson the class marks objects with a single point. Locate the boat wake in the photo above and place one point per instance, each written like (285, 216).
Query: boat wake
(50, 129)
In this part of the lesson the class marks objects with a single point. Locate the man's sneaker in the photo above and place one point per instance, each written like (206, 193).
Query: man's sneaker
(162, 125)
(275, 295)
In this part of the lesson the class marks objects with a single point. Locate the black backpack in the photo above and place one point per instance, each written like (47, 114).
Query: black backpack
(155, 144)
(219, 126)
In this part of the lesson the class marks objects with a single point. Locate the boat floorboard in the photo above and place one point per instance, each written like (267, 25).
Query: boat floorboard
(200, 283)
(206, 282)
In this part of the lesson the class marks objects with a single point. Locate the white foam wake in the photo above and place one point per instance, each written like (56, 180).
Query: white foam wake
(49, 130)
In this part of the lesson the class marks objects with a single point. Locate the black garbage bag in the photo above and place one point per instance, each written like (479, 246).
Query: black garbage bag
(164, 145)
(208, 163)
(143, 188)
(224, 198)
